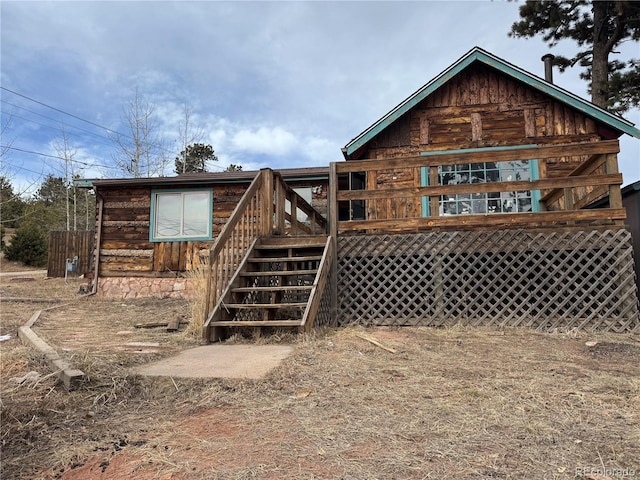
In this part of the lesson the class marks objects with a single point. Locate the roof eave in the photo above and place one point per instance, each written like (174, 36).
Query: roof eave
(619, 124)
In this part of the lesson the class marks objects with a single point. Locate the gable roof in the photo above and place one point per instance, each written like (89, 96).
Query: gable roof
(477, 54)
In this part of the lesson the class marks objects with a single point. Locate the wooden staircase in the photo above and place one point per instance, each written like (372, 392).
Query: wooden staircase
(279, 284)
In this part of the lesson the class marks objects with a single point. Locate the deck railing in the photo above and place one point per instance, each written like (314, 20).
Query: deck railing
(315, 308)
(261, 212)
(562, 199)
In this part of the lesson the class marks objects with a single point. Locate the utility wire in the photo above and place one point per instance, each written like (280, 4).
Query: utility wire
(56, 157)
(114, 132)
(45, 125)
(50, 118)
(82, 120)
(28, 170)
(65, 113)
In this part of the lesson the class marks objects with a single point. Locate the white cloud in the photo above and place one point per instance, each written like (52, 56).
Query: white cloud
(265, 141)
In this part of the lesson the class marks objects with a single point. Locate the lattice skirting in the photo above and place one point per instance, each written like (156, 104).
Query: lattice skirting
(547, 281)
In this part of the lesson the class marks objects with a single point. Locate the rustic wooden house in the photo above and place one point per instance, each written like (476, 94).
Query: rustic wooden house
(466, 203)
(150, 232)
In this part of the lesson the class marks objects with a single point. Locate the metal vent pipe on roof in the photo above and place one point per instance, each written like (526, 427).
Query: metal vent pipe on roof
(548, 67)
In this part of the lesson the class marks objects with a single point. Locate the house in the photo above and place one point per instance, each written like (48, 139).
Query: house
(151, 232)
(466, 203)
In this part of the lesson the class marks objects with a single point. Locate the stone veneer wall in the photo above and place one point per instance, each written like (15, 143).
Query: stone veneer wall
(137, 287)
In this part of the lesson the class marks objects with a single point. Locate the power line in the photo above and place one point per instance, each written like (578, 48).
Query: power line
(65, 113)
(28, 170)
(58, 128)
(49, 118)
(82, 120)
(56, 157)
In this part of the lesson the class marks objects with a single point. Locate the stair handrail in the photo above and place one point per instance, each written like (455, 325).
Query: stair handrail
(319, 285)
(260, 213)
(245, 224)
(283, 193)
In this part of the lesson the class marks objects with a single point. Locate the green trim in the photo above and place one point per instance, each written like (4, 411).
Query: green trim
(152, 215)
(534, 175)
(478, 55)
(304, 179)
(478, 150)
(535, 194)
(83, 183)
(424, 182)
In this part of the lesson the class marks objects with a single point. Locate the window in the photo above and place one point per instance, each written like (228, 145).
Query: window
(180, 215)
(307, 195)
(352, 209)
(493, 202)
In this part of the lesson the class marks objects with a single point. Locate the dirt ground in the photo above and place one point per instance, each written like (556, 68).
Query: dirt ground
(457, 403)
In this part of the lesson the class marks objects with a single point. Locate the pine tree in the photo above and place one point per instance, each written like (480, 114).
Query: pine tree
(599, 28)
(194, 158)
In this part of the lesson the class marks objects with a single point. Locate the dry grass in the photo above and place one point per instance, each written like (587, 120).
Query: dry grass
(458, 403)
(198, 300)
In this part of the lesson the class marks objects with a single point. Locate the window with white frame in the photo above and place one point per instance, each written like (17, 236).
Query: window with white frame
(485, 172)
(181, 215)
(496, 202)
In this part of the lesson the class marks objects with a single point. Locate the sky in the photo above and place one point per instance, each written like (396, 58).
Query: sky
(267, 84)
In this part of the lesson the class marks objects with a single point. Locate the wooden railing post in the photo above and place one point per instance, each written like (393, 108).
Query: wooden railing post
(333, 233)
(267, 198)
(294, 213)
(280, 199)
(615, 195)
(434, 201)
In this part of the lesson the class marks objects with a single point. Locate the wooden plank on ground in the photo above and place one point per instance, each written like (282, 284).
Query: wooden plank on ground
(69, 376)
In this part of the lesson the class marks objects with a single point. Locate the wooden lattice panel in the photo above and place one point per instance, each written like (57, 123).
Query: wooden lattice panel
(325, 315)
(546, 281)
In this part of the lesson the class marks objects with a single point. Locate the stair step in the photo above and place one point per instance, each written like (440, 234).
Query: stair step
(278, 272)
(246, 306)
(257, 323)
(278, 288)
(286, 246)
(300, 241)
(285, 259)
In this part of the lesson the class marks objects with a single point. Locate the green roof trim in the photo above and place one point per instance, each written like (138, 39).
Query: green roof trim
(479, 55)
(83, 182)
(502, 148)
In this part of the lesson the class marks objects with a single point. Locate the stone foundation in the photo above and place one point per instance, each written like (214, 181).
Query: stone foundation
(137, 287)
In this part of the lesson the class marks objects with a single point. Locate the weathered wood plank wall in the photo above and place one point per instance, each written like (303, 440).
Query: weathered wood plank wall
(125, 248)
(478, 108)
(67, 245)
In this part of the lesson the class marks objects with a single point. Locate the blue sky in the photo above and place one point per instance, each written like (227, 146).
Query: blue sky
(278, 84)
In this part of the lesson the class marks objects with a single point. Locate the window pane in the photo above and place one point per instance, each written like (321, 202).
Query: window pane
(196, 214)
(168, 213)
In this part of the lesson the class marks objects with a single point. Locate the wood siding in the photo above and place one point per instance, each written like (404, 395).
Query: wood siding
(478, 108)
(67, 245)
(125, 249)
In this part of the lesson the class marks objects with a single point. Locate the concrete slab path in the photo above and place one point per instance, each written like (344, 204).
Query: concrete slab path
(219, 361)
(27, 273)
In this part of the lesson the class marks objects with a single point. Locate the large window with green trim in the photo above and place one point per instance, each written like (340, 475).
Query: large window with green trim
(483, 203)
(181, 215)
